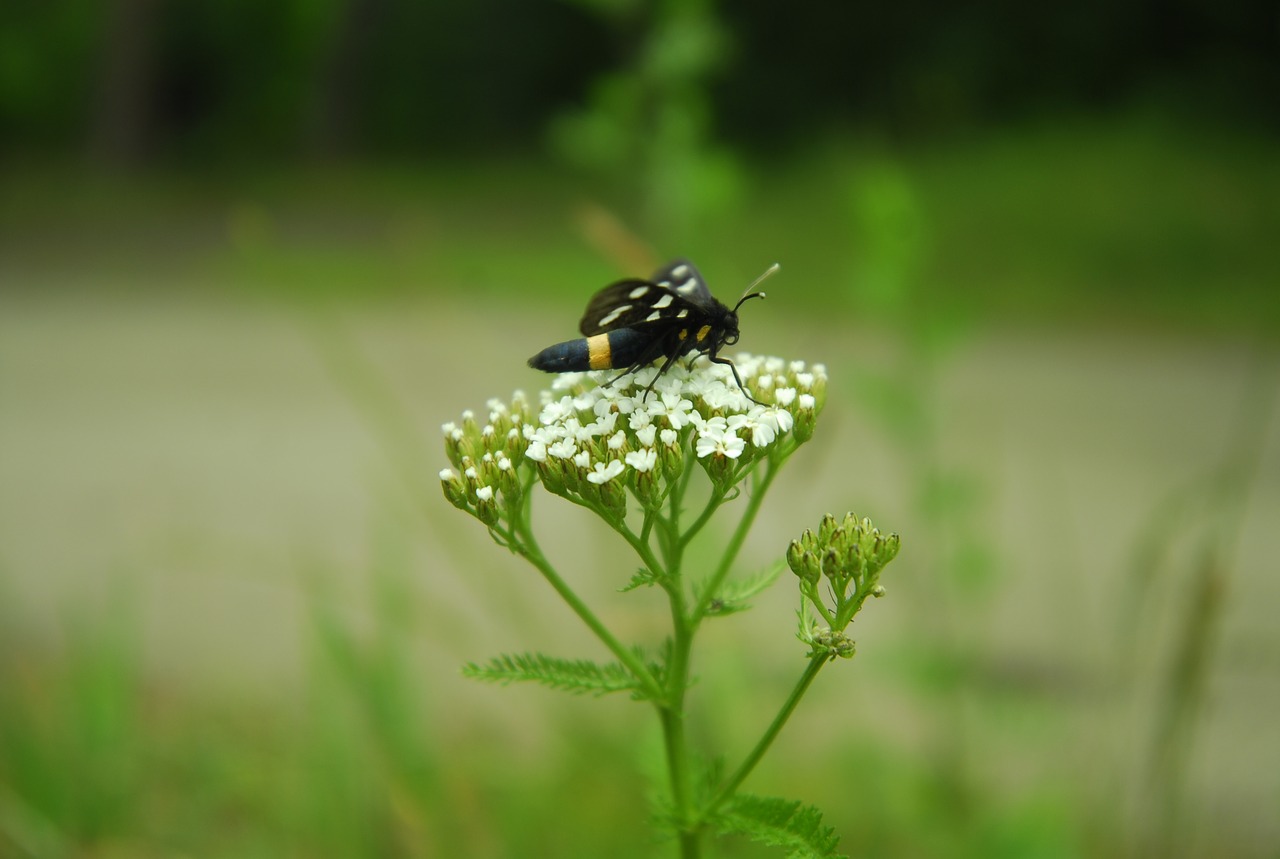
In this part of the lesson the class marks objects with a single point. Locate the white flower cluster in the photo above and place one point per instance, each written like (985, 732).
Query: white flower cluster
(606, 428)
(596, 436)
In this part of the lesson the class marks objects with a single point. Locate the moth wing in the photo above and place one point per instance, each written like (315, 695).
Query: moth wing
(683, 278)
(632, 303)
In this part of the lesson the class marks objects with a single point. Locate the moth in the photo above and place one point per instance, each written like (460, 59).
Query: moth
(634, 322)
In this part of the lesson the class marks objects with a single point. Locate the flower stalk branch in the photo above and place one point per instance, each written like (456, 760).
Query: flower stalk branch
(629, 450)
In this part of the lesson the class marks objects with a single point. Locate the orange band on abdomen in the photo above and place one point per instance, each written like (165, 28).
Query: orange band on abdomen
(599, 355)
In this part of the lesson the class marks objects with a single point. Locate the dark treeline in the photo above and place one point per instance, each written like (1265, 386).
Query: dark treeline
(132, 80)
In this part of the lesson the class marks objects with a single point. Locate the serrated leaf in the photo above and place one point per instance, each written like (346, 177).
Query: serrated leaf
(579, 676)
(733, 596)
(779, 823)
(643, 578)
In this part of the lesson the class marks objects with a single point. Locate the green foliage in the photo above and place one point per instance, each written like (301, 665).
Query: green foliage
(735, 595)
(647, 129)
(796, 827)
(577, 676)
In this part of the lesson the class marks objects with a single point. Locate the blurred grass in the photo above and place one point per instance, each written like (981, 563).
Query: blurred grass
(1132, 224)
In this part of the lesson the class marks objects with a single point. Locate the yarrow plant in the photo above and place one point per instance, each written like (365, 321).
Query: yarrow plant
(656, 466)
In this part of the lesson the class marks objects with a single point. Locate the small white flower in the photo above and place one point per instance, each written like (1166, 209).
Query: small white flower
(784, 396)
(489, 431)
(456, 435)
(642, 460)
(763, 430)
(449, 429)
(674, 408)
(807, 402)
(617, 440)
(796, 366)
(804, 381)
(503, 463)
(669, 437)
(603, 473)
(646, 434)
(725, 398)
(485, 493)
(578, 431)
(537, 451)
(582, 458)
(639, 419)
(716, 438)
(470, 472)
(563, 449)
(557, 411)
(567, 381)
(606, 423)
(448, 474)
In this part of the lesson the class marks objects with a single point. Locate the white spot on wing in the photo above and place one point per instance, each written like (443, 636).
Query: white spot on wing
(680, 270)
(682, 314)
(689, 285)
(665, 301)
(637, 292)
(613, 315)
(653, 317)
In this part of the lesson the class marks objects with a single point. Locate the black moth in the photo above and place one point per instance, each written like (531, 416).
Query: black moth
(634, 322)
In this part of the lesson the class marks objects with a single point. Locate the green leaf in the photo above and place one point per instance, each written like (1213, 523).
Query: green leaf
(643, 578)
(579, 676)
(734, 595)
(779, 823)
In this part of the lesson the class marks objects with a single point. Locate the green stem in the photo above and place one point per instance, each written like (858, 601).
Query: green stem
(528, 547)
(673, 720)
(735, 781)
(713, 504)
(735, 544)
(672, 712)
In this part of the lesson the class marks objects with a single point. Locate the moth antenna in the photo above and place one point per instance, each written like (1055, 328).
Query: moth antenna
(749, 294)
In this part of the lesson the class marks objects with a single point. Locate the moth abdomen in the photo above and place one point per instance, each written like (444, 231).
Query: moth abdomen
(615, 349)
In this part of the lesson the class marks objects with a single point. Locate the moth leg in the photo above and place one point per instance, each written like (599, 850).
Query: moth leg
(666, 365)
(716, 359)
(651, 352)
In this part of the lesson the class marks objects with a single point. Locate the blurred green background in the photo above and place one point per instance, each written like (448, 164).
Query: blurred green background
(252, 255)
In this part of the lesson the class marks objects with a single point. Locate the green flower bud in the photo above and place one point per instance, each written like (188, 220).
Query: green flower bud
(647, 490)
(487, 506)
(453, 444)
(826, 528)
(812, 568)
(469, 425)
(795, 556)
(455, 490)
(831, 566)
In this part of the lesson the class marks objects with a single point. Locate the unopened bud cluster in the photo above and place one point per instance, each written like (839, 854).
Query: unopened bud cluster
(484, 478)
(849, 555)
(599, 439)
